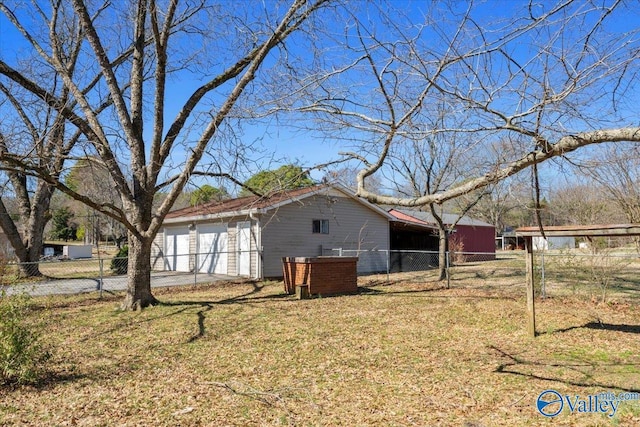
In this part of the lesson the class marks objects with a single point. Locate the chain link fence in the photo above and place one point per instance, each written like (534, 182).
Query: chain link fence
(500, 270)
(423, 265)
(73, 276)
(602, 275)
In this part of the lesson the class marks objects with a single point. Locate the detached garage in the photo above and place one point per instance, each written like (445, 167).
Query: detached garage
(249, 236)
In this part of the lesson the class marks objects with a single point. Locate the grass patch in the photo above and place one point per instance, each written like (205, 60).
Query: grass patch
(401, 352)
(22, 356)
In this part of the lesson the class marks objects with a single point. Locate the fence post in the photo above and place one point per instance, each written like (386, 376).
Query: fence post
(542, 290)
(195, 270)
(446, 257)
(531, 281)
(100, 284)
(388, 251)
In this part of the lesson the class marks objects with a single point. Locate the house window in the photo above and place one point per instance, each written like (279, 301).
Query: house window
(321, 226)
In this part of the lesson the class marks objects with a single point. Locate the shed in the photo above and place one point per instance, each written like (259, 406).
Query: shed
(411, 233)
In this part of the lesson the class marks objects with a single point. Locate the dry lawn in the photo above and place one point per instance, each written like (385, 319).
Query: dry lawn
(402, 352)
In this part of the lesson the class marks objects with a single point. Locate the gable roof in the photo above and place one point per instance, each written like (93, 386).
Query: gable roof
(256, 204)
(420, 217)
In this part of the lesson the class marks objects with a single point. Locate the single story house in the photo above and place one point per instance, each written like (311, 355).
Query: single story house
(249, 236)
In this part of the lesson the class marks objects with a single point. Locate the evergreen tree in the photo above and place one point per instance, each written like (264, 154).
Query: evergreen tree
(287, 177)
(63, 226)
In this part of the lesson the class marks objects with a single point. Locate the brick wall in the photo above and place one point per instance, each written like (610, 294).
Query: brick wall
(323, 275)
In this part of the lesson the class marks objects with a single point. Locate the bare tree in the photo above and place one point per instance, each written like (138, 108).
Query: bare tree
(88, 176)
(549, 78)
(133, 141)
(501, 204)
(36, 138)
(582, 204)
(346, 175)
(613, 174)
(426, 167)
(44, 136)
(616, 169)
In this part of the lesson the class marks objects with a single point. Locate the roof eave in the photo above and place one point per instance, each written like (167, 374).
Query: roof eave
(205, 217)
(414, 224)
(293, 199)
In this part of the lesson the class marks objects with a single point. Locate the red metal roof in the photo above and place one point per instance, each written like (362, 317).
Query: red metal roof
(408, 218)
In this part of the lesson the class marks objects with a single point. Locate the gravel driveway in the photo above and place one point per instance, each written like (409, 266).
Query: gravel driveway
(109, 284)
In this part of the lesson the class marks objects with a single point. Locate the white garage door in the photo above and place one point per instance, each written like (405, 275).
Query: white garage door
(176, 248)
(212, 249)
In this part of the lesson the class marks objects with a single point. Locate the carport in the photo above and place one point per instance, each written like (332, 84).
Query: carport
(612, 230)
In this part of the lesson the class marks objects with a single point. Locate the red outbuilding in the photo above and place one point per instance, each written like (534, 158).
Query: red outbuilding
(470, 235)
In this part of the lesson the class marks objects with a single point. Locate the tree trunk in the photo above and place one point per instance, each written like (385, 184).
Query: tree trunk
(442, 253)
(442, 244)
(30, 265)
(39, 216)
(28, 248)
(139, 274)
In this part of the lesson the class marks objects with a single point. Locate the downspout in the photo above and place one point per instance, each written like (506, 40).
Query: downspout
(388, 248)
(259, 273)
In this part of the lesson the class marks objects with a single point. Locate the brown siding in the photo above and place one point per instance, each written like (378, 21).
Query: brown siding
(477, 239)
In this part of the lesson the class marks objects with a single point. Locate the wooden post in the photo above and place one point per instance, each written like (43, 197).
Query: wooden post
(302, 291)
(531, 308)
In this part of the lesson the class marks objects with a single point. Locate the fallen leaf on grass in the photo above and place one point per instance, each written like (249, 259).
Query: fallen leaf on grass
(184, 411)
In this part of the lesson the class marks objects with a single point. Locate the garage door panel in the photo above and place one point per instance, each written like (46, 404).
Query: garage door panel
(212, 249)
(177, 249)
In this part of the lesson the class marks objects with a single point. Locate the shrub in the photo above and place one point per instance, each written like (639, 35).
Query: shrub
(22, 356)
(120, 264)
(456, 249)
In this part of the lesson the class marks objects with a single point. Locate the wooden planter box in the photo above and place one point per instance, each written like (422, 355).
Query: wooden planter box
(322, 275)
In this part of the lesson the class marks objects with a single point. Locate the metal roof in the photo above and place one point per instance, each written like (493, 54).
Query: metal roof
(581, 230)
(257, 204)
(403, 219)
(447, 218)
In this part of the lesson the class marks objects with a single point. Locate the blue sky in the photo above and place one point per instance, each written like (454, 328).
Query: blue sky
(281, 143)
(275, 142)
